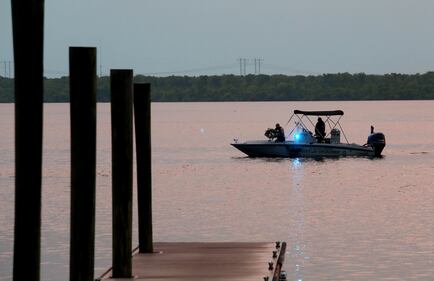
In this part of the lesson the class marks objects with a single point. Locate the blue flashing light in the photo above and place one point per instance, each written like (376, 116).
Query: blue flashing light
(297, 136)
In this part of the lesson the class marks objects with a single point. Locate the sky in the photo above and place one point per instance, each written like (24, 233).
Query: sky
(204, 37)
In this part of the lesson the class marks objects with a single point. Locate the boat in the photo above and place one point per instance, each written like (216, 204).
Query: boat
(302, 142)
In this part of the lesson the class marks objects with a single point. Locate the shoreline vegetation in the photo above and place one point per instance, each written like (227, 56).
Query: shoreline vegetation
(340, 86)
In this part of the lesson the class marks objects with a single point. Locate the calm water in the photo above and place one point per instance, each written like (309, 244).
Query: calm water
(343, 219)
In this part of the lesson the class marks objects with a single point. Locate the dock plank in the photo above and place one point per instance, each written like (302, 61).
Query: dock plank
(203, 261)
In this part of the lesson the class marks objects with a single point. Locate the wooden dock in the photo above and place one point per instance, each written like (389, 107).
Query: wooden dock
(205, 261)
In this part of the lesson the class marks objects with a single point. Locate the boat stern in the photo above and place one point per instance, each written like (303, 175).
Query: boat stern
(377, 141)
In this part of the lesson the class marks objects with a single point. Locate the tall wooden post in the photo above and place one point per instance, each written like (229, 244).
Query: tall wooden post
(82, 73)
(28, 38)
(142, 119)
(121, 82)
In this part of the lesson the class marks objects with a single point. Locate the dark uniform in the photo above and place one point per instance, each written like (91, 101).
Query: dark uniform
(280, 133)
(320, 130)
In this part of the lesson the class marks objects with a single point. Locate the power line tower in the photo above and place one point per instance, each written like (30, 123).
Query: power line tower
(244, 62)
(259, 65)
(257, 62)
(7, 68)
(11, 63)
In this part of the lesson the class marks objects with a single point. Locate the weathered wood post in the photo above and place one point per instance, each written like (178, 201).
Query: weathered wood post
(82, 75)
(28, 38)
(121, 83)
(142, 119)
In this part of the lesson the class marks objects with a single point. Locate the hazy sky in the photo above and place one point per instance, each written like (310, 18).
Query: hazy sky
(196, 37)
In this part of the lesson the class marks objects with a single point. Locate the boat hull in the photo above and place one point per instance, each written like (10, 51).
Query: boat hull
(292, 150)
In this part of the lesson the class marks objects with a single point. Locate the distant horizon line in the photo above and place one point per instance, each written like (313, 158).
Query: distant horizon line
(249, 74)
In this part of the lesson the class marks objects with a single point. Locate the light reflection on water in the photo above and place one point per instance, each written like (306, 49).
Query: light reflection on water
(343, 219)
(297, 255)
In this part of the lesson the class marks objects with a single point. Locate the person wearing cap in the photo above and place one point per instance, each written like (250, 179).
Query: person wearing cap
(280, 133)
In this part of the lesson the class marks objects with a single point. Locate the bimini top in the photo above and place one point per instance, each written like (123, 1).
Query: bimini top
(319, 113)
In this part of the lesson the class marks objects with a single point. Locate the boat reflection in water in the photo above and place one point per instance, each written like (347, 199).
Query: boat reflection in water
(301, 142)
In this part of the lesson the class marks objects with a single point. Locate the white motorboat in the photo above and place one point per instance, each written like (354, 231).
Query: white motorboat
(301, 142)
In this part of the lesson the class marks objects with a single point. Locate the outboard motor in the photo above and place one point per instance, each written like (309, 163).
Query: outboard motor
(377, 141)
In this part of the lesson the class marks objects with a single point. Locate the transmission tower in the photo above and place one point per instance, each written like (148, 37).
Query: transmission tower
(259, 65)
(244, 62)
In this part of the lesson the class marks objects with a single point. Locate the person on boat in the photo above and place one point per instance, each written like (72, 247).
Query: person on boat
(280, 133)
(320, 130)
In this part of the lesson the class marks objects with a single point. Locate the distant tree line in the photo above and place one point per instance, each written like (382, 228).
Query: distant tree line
(340, 86)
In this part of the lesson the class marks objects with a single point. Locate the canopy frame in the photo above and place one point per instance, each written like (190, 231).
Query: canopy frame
(300, 114)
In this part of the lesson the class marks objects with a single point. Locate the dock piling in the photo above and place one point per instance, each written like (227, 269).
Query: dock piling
(28, 38)
(121, 83)
(142, 119)
(82, 69)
